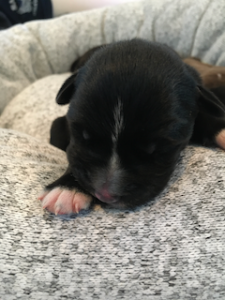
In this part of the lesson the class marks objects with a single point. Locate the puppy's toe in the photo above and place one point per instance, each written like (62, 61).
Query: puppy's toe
(81, 201)
(220, 139)
(62, 201)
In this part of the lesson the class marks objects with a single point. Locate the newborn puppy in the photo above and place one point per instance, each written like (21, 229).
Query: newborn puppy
(212, 76)
(134, 105)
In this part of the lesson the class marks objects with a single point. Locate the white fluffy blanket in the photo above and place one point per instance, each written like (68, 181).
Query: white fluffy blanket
(173, 249)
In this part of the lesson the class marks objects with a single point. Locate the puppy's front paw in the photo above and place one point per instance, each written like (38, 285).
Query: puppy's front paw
(220, 139)
(62, 201)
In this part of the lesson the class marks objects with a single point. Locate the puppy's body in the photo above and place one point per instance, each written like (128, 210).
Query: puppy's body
(133, 108)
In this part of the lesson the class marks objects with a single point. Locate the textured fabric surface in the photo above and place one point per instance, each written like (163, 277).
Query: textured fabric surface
(33, 110)
(40, 48)
(171, 249)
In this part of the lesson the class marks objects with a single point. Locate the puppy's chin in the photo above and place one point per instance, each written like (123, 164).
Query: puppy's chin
(120, 205)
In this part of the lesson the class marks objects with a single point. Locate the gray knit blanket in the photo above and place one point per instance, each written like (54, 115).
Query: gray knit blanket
(172, 249)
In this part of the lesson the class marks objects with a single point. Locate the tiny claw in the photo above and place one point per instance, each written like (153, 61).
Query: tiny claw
(44, 203)
(57, 209)
(44, 206)
(77, 208)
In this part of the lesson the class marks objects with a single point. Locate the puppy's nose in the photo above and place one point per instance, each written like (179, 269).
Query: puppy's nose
(105, 196)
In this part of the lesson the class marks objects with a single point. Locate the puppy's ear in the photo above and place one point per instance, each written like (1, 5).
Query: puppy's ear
(67, 89)
(209, 104)
(81, 61)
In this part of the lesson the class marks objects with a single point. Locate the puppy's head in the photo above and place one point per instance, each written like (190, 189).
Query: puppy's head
(132, 110)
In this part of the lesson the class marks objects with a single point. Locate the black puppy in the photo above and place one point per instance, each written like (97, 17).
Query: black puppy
(134, 105)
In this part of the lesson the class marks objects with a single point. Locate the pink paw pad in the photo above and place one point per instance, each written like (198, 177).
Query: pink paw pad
(62, 201)
(220, 139)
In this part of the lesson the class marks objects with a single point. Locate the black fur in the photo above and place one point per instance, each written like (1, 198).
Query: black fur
(135, 101)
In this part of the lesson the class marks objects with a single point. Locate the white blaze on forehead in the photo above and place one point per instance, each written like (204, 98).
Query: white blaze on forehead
(118, 120)
(114, 170)
(114, 162)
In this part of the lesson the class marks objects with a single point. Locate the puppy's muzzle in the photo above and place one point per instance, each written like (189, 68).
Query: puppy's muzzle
(104, 195)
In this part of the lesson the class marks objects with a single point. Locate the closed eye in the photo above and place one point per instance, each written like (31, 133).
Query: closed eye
(86, 135)
(169, 148)
(149, 149)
